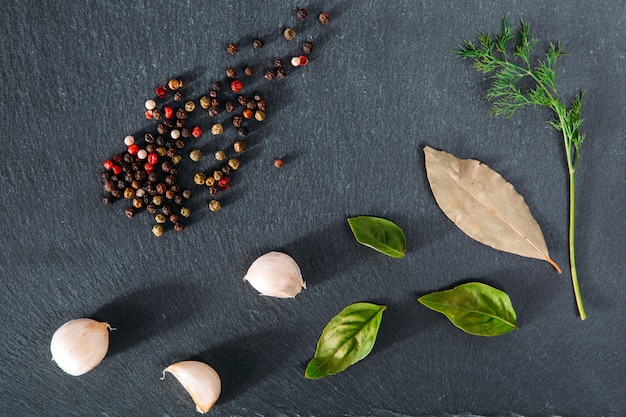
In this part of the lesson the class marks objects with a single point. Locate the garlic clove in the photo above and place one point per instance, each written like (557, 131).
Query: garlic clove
(79, 345)
(276, 274)
(200, 380)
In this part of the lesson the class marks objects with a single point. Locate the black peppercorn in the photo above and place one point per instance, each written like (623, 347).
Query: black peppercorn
(248, 70)
(237, 121)
(270, 74)
(107, 200)
(280, 73)
(307, 47)
(230, 106)
(301, 14)
(161, 129)
(130, 212)
(242, 99)
(178, 200)
(278, 63)
(181, 114)
(242, 132)
(156, 114)
(216, 86)
(108, 186)
(324, 18)
(213, 111)
(187, 194)
(179, 226)
(166, 166)
(257, 44)
(167, 210)
(232, 49)
(261, 105)
(178, 96)
(161, 188)
(231, 72)
(185, 132)
(213, 190)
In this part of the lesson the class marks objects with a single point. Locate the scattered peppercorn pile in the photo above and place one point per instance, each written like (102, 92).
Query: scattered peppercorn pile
(145, 175)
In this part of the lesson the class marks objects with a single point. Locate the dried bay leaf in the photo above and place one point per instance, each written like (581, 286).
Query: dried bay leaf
(475, 308)
(484, 205)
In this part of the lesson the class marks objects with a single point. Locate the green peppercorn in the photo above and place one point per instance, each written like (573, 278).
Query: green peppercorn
(185, 211)
(195, 155)
(214, 205)
(217, 129)
(199, 178)
(289, 34)
(176, 159)
(217, 175)
(234, 163)
(160, 218)
(259, 115)
(220, 155)
(157, 229)
(205, 102)
(239, 146)
(190, 106)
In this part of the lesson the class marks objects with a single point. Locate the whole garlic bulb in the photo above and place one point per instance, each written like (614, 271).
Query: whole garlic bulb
(200, 380)
(79, 345)
(275, 274)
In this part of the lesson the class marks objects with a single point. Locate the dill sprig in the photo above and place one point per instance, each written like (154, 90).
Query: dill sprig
(517, 81)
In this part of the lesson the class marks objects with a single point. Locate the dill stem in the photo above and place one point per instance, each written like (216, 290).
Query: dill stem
(572, 223)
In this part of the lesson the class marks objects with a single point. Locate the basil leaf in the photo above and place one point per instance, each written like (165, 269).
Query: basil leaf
(347, 338)
(475, 308)
(379, 234)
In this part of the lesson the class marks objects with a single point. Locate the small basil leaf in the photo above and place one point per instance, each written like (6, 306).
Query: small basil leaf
(475, 308)
(347, 338)
(379, 234)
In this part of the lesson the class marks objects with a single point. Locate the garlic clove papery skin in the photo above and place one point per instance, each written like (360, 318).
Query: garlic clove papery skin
(80, 345)
(200, 380)
(276, 274)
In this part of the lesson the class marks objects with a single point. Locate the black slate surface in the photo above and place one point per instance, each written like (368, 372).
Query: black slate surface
(382, 84)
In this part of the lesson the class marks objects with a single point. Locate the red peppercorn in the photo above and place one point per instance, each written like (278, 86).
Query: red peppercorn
(304, 61)
(108, 164)
(169, 112)
(161, 91)
(153, 158)
(248, 114)
(133, 149)
(223, 183)
(117, 169)
(149, 114)
(148, 167)
(196, 132)
(236, 86)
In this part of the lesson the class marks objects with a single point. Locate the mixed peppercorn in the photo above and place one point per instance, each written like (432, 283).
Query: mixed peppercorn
(146, 174)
